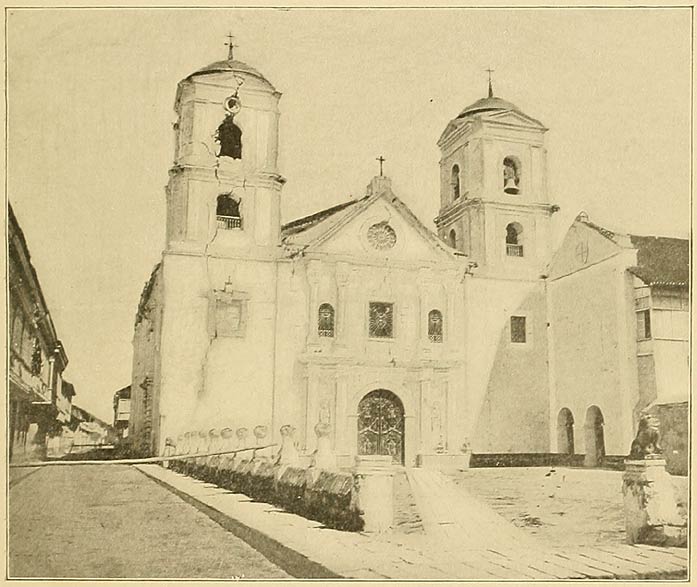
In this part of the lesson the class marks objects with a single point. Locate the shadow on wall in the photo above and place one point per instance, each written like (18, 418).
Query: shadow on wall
(514, 414)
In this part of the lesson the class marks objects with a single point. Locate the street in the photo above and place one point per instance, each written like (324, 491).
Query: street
(108, 521)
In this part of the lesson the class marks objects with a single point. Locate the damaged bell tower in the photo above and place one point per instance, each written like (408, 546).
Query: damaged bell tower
(225, 175)
(210, 305)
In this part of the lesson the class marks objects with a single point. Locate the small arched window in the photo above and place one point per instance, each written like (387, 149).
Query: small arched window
(435, 326)
(455, 181)
(514, 240)
(511, 175)
(452, 238)
(229, 136)
(325, 321)
(227, 212)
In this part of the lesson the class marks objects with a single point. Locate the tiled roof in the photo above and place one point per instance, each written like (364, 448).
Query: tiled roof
(662, 260)
(608, 234)
(306, 222)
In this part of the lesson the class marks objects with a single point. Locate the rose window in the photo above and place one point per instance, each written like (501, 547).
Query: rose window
(382, 236)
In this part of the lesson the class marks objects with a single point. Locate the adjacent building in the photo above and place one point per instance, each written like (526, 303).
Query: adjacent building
(619, 325)
(403, 341)
(122, 411)
(89, 431)
(40, 400)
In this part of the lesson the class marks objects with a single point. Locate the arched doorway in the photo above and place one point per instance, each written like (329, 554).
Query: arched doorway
(381, 425)
(565, 432)
(595, 438)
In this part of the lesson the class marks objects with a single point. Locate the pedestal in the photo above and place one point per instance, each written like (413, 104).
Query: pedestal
(288, 454)
(323, 458)
(650, 510)
(374, 481)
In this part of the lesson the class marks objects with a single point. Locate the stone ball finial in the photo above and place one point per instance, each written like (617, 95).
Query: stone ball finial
(213, 432)
(260, 432)
(287, 430)
(203, 434)
(226, 433)
(242, 433)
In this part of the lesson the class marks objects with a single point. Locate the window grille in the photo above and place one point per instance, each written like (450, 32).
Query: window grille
(381, 320)
(518, 333)
(435, 326)
(325, 321)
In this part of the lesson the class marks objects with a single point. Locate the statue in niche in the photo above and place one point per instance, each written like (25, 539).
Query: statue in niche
(325, 413)
(229, 136)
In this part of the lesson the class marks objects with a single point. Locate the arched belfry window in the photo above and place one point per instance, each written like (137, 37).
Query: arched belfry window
(514, 240)
(229, 136)
(435, 326)
(325, 321)
(227, 212)
(455, 181)
(452, 238)
(511, 175)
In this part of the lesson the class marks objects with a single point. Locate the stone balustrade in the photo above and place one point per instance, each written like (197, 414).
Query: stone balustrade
(360, 499)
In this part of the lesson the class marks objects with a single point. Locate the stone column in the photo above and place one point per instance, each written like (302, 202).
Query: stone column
(374, 484)
(324, 457)
(650, 511)
(313, 275)
(341, 315)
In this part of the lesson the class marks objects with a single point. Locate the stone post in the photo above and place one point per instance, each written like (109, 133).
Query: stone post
(242, 435)
(288, 453)
(324, 457)
(374, 485)
(213, 446)
(168, 451)
(260, 433)
(650, 510)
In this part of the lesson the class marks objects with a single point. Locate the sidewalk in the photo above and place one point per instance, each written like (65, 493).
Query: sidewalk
(463, 540)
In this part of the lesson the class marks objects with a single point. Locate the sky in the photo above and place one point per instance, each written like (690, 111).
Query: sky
(90, 139)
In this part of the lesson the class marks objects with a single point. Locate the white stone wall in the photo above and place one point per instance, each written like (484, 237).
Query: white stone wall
(506, 387)
(594, 350)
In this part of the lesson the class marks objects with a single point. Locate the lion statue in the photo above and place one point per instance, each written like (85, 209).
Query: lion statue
(647, 438)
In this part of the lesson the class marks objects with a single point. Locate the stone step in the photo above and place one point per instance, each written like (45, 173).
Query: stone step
(406, 514)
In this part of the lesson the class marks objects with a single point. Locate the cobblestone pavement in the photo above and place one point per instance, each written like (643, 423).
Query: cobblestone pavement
(113, 521)
(561, 506)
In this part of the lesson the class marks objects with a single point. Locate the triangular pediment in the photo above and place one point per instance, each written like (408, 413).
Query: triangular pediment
(453, 125)
(584, 245)
(381, 228)
(514, 117)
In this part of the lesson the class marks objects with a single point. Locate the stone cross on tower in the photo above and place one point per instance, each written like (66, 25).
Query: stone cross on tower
(381, 159)
(231, 46)
(491, 90)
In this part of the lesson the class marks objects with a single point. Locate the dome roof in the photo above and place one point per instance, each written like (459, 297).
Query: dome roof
(489, 104)
(231, 65)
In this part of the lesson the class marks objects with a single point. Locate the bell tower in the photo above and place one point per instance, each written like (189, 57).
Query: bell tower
(494, 205)
(224, 187)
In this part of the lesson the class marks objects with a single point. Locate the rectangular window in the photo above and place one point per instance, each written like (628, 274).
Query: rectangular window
(381, 320)
(643, 324)
(518, 329)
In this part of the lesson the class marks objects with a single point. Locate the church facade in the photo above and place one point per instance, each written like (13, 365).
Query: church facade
(399, 340)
